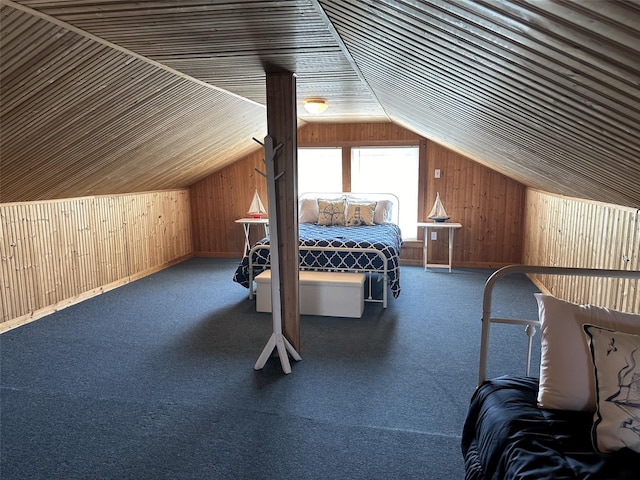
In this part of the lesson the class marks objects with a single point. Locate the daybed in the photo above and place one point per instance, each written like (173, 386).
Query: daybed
(580, 419)
(341, 232)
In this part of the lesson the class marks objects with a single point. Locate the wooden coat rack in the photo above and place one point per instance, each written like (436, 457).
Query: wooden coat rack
(277, 340)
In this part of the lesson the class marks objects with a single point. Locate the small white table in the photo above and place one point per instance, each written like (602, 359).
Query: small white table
(246, 225)
(451, 227)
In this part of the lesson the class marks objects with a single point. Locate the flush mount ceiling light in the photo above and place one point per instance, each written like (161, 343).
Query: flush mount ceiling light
(315, 105)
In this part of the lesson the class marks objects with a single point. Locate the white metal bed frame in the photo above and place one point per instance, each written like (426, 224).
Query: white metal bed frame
(383, 272)
(342, 267)
(530, 325)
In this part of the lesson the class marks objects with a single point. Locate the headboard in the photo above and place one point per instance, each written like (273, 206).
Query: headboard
(530, 325)
(373, 196)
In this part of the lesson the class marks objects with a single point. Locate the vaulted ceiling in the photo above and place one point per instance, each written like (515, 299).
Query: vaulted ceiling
(104, 96)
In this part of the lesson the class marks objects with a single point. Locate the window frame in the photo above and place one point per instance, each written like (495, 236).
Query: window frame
(346, 168)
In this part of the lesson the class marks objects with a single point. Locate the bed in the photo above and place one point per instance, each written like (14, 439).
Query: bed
(341, 232)
(580, 417)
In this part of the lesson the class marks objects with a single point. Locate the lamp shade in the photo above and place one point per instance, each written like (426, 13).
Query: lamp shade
(315, 105)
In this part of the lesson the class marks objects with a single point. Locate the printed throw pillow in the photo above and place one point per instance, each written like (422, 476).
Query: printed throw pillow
(330, 212)
(616, 362)
(360, 213)
(566, 373)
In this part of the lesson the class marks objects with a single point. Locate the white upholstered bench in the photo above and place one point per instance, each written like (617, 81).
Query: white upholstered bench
(331, 294)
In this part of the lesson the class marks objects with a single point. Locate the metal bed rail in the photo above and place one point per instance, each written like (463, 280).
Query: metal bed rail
(341, 267)
(530, 325)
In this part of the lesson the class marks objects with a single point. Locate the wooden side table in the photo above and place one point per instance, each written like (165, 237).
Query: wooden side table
(450, 227)
(246, 225)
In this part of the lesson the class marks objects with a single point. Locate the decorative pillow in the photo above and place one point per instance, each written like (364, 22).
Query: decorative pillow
(566, 377)
(360, 213)
(616, 362)
(330, 212)
(383, 212)
(308, 211)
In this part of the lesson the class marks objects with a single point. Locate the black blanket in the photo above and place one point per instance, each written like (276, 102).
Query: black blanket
(506, 436)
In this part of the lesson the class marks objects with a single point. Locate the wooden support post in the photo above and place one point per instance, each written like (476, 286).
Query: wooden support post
(282, 126)
(277, 340)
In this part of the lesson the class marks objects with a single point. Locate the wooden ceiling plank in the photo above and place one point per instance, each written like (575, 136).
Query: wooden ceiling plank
(490, 79)
(79, 31)
(87, 81)
(597, 30)
(424, 114)
(484, 44)
(473, 78)
(50, 71)
(507, 141)
(472, 81)
(109, 8)
(522, 113)
(606, 56)
(620, 13)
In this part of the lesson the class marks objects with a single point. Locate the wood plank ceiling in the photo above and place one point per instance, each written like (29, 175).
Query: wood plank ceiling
(107, 96)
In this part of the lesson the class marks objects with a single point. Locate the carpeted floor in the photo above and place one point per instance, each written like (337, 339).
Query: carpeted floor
(155, 380)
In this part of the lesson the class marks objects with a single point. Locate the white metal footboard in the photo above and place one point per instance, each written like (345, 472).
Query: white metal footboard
(530, 325)
(341, 267)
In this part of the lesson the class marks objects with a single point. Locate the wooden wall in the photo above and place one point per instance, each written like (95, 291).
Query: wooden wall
(489, 205)
(219, 199)
(56, 253)
(360, 134)
(561, 231)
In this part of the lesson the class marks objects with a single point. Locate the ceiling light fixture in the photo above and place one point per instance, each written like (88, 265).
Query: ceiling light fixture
(315, 105)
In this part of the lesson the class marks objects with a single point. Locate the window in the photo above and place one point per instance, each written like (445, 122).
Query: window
(373, 169)
(389, 170)
(319, 170)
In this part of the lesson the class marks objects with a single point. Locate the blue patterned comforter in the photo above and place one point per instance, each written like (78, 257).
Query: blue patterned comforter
(386, 239)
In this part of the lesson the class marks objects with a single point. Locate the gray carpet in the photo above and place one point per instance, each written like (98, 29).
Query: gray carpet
(155, 380)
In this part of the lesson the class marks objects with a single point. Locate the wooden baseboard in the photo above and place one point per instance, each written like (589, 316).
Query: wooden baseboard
(157, 268)
(539, 284)
(411, 262)
(237, 255)
(67, 302)
(415, 262)
(492, 265)
(403, 261)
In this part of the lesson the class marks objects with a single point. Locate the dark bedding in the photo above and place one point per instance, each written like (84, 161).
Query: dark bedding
(506, 436)
(384, 238)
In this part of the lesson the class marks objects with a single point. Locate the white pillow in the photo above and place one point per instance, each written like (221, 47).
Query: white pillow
(566, 372)
(308, 211)
(616, 362)
(383, 212)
